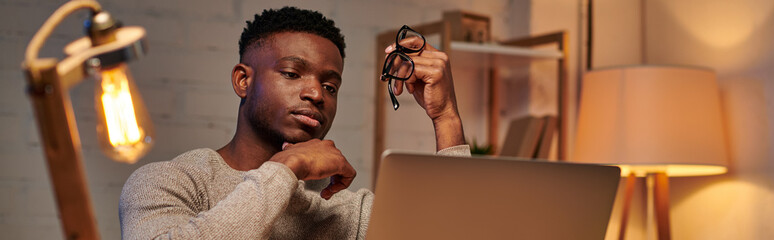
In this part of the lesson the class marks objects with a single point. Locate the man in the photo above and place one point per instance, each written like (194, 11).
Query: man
(288, 77)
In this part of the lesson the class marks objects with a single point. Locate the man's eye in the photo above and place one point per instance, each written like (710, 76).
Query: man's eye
(331, 89)
(291, 75)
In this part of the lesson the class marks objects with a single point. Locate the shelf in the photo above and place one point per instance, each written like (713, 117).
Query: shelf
(505, 50)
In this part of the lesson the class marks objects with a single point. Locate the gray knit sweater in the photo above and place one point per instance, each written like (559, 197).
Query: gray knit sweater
(198, 196)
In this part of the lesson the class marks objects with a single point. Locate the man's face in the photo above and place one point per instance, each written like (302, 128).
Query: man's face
(296, 80)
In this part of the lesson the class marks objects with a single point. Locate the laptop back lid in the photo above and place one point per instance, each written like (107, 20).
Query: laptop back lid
(421, 196)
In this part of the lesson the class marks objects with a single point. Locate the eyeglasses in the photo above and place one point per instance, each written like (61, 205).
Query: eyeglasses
(398, 65)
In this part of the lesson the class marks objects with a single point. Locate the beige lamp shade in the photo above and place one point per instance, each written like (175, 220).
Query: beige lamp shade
(649, 119)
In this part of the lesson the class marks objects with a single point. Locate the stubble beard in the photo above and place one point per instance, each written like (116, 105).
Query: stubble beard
(260, 125)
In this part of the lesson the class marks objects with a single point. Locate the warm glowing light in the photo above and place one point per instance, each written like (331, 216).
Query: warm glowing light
(672, 170)
(119, 110)
(720, 23)
(652, 119)
(125, 132)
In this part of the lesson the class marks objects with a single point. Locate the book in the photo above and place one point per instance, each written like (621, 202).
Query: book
(523, 137)
(550, 125)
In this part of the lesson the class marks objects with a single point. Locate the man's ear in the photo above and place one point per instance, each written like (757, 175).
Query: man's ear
(241, 79)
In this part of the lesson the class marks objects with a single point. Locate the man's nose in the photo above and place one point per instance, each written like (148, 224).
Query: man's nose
(312, 91)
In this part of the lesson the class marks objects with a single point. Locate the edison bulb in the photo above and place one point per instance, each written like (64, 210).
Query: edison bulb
(124, 129)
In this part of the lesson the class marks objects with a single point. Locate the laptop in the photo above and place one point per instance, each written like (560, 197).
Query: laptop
(424, 196)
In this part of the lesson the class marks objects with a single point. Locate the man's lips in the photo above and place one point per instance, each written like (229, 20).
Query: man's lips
(308, 117)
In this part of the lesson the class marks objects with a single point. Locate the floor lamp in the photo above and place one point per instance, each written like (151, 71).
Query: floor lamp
(124, 129)
(653, 121)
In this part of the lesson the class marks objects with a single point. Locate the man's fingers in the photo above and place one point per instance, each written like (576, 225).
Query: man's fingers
(286, 145)
(425, 60)
(429, 48)
(328, 191)
(410, 88)
(389, 49)
(339, 181)
(429, 65)
(397, 87)
(424, 67)
(412, 42)
(425, 74)
(337, 184)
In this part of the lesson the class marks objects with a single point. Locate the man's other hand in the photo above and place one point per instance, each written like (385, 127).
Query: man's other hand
(317, 159)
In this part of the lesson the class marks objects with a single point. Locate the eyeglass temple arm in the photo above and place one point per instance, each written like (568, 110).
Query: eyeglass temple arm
(395, 104)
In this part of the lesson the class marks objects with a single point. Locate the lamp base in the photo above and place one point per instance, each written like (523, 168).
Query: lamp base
(658, 205)
(661, 204)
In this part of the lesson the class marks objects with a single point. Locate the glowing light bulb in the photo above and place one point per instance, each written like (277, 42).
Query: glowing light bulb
(124, 130)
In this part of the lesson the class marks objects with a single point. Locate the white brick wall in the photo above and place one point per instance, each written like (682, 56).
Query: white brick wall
(184, 80)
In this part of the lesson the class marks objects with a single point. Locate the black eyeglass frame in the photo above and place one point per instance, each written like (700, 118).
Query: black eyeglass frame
(401, 52)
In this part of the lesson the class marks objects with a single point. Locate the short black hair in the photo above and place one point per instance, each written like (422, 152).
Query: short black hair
(289, 19)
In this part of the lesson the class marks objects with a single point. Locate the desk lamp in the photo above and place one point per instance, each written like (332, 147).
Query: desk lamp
(655, 122)
(124, 129)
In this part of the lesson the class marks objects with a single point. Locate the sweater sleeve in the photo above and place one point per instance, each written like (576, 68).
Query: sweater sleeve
(459, 151)
(162, 201)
